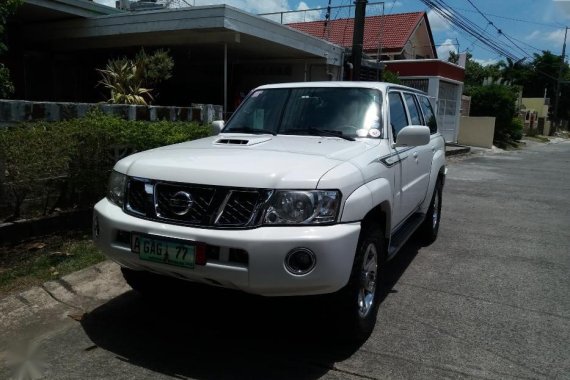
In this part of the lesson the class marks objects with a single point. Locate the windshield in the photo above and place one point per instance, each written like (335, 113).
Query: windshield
(323, 111)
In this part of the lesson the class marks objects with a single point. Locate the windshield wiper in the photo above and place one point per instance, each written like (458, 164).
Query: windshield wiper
(319, 132)
(254, 131)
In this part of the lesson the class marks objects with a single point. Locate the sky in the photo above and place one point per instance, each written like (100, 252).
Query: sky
(531, 25)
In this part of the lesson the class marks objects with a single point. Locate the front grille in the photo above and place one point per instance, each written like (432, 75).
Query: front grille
(194, 205)
(171, 202)
(137, 198)
(239, 208)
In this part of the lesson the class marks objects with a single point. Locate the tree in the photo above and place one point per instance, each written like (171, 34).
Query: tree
(390, 77)
(514, 72)
(475, 73)
(499, 101)
(154, 68)
(7, 7)
(543, 75)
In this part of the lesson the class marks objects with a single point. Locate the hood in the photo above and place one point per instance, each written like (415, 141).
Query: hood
(246, 160)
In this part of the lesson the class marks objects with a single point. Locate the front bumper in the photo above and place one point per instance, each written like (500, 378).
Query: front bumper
(264, 272)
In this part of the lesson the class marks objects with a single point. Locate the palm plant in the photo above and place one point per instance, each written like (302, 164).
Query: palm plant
(123, 79)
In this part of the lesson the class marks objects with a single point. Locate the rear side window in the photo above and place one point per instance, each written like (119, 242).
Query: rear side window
(429, 115)
(398, 117)
(413, 109)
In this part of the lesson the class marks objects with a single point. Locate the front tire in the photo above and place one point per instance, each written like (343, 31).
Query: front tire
(360, 298)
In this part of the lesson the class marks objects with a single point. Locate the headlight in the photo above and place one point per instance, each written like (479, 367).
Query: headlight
(302, 207)
(116, 189)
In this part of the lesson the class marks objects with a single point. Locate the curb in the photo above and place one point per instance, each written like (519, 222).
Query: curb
(455, 149)
(77, 292)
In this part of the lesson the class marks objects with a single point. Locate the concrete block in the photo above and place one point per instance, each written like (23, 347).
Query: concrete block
(218, 112)
(84, 108)
(140, 113)
(120, 110)
(5, 110)
(163, 113)
(132, 112)
(22, 111)
(67, 111)
(106, 108)
(181, 113)
(196, 114)
(39, 111)
(208, 113)
(52, 112)
(152, 113)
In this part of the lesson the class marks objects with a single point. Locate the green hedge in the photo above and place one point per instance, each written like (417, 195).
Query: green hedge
(45, 166)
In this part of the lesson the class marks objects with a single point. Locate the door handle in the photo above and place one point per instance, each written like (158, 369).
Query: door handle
(415, 154)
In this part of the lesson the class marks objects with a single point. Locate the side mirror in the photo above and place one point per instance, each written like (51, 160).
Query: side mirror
(413, 135)
(217, 126)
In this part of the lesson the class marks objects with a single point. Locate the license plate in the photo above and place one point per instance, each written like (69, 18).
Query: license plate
(166, 251)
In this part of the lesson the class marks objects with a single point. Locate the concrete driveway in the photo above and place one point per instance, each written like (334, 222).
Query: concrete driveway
(489, 299)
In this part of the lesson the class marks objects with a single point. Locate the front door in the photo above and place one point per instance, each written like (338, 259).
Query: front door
(414, 162)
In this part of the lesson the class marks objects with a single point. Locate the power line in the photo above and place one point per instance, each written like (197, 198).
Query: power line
(530, 46)
(498, 30)
(465, 25)
(555, 26)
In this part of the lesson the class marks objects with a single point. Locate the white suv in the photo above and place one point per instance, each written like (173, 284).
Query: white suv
(308, 189)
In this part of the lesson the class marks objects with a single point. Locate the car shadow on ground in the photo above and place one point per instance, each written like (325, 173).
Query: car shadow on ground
(209, 333)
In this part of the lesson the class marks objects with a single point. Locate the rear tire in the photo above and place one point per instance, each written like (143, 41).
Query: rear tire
(430, 227)
(359, 300)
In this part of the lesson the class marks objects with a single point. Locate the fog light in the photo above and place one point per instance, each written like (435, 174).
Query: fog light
(300, 261)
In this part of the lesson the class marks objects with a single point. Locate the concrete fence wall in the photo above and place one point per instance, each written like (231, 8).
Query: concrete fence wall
(476, 131)
(14, 111)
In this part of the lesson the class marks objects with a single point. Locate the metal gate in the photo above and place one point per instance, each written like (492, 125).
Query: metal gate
(447, 110)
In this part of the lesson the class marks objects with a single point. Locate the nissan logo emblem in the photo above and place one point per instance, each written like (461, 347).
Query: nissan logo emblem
(180, 203)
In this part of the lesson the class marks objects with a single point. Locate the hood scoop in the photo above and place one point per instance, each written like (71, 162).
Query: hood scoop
(247, 140)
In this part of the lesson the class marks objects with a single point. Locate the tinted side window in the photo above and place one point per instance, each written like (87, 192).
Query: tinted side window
(429, 115)
(398, 117)
(413, 109)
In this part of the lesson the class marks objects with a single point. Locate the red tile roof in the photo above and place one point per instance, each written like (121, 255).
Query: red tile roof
(397, 30)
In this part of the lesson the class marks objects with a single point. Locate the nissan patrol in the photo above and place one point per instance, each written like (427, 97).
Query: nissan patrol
(308, 189)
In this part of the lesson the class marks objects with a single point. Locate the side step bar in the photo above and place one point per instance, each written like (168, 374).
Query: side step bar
(401, 236)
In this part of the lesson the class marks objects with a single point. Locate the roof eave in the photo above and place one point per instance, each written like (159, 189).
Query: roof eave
(81, 8)
(428, 26)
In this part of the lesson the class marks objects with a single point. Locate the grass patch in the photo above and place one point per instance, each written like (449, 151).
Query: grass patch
(42, 259)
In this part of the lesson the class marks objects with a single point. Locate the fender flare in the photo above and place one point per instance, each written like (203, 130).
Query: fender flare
(437, 168)
(370, 200)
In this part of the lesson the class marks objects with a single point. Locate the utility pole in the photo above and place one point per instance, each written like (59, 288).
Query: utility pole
(358, 36)
(557, 95)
